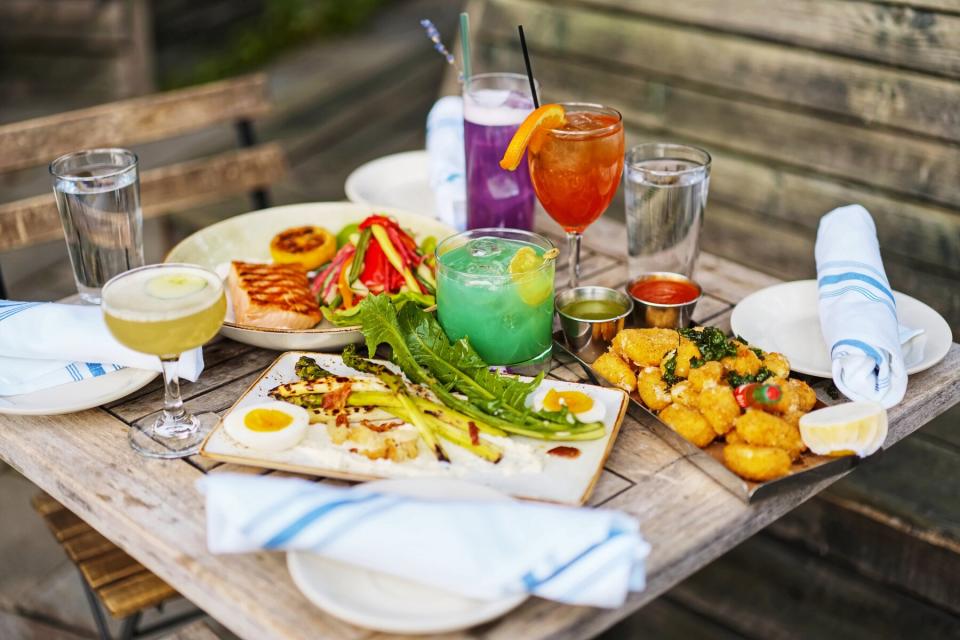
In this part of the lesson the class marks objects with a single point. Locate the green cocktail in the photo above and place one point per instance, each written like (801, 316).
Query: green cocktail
(495, 287)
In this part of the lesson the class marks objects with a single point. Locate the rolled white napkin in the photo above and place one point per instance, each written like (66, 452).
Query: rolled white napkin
(484, 550)
(447, 163)
(43, 345)
(858, 312)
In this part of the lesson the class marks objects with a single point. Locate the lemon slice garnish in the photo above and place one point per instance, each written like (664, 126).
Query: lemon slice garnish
(171, 286)
(851, 427)
(532, 287)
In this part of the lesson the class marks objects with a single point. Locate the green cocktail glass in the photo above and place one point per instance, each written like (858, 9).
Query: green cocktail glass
(495, 288)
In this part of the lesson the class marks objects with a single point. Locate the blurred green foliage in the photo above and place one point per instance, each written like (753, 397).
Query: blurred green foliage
(281, 25)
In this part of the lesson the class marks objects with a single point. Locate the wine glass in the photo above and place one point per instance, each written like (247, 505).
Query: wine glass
(576, 168)
(166, 310)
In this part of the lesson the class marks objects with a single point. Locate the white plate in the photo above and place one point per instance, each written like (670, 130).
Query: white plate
(785, 318)
(401, 180)
(526, 470)
(393, 605)
(247, 237)
(77, 396)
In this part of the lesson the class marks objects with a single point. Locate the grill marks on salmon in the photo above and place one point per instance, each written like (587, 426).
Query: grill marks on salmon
(272, 296)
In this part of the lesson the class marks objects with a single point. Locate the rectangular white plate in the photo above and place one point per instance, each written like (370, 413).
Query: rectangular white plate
(526, 470)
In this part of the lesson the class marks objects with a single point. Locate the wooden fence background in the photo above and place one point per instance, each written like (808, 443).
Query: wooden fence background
(804, 104)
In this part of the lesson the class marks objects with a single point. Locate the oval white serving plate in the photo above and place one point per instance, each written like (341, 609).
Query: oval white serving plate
(247, 237)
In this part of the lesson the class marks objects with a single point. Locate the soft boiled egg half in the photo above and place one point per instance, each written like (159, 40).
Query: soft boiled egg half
(271, 426)
(581, 406)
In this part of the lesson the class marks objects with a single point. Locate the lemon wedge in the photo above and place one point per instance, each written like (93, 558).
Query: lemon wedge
(852, 427)
(534, 288)
(548, 116)
(172, 286)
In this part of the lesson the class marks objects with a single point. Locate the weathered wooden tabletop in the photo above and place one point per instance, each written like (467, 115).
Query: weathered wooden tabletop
(153, 510)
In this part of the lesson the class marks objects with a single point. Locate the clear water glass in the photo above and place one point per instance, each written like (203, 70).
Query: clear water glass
(98, 196)
(666, 193)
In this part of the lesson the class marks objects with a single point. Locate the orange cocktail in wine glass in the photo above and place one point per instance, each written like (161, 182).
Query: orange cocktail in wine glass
(575, 157)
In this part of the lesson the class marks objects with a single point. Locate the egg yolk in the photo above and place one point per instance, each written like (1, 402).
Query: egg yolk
(575, 401)
(266, 420)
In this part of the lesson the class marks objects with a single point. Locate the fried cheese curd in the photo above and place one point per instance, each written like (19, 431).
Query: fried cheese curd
(756, 463)
(767, 430)
(652, 389)
(689, 423)
(616, 371)
(645, 347)
(687, 381)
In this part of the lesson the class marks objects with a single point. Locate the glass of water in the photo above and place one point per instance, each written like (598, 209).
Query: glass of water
(666, 192)
(98, 195)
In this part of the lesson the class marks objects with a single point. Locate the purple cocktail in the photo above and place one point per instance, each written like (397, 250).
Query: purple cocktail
(494, 105)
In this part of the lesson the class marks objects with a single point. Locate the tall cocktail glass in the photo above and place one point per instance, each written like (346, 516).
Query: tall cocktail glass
(98, 196)
(494, 105)
(576, 170)
(165, 310)
(495, 288)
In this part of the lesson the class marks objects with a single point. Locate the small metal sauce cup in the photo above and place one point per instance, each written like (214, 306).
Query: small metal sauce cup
(660, 315)
(584, 335)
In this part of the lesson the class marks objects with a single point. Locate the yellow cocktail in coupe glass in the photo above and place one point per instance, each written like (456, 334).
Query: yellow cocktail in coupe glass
(166, 310)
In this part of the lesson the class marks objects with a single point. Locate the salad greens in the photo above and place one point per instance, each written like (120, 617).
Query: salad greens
(457, 375)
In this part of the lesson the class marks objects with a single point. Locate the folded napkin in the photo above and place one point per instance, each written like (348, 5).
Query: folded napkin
(858, 313)
(484, 550)
(447, 172)
(43, 345)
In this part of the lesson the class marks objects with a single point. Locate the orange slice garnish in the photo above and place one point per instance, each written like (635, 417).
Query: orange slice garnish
(548, 116)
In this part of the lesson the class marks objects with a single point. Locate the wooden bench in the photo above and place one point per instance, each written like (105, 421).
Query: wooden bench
(247, 170)
(111, 578)
(804, 107)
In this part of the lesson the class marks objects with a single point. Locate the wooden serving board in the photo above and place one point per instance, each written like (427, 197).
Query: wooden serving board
(558, 479)
(808, 470)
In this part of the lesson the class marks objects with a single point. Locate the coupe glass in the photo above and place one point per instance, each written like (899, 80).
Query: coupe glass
(576, 170)
(166, 310)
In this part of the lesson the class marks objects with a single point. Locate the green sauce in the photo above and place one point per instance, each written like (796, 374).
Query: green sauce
(593, 309)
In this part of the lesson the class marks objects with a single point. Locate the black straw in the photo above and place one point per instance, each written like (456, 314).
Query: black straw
(526, 61)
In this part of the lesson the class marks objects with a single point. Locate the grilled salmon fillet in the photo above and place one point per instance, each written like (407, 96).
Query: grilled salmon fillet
(272, 296)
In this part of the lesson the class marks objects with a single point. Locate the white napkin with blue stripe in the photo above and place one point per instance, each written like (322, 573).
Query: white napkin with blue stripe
(479, 549)
(447, 163)
(46, 344)
(858, 312)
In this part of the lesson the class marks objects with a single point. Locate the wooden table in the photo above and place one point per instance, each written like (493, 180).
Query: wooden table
(153, 510)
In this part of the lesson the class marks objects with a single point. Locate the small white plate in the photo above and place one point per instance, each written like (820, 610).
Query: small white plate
(385, 603)
(786, 318)
(77, 396)
(401, 181)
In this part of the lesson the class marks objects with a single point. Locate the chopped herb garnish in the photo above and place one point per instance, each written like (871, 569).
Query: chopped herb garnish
(712, 343)
(670, 369)
(735, 379)
(758, 352)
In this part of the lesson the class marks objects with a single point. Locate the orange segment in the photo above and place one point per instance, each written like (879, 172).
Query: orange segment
(548, 116)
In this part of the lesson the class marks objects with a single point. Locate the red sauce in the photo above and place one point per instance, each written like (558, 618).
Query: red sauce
(664, 291)
(564, 452)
